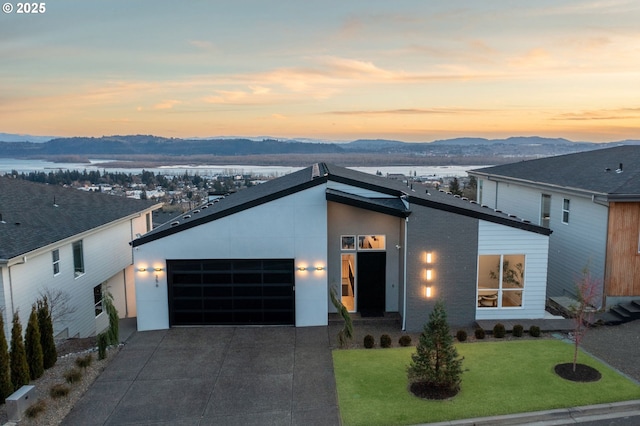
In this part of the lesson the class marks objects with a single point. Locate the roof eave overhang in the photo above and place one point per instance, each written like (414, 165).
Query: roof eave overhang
(365, 185)
(363, 204)
(541, 185)
(481, 215)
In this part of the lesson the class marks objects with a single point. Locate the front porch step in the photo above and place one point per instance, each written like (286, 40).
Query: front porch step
(389, 318)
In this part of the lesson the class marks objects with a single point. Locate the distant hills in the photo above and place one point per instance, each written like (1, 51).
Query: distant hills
(25, 146)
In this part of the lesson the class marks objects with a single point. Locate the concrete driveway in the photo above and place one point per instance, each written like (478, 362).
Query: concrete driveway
(216, 376)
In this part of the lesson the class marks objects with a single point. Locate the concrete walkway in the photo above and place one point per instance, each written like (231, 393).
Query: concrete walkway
(215, 375)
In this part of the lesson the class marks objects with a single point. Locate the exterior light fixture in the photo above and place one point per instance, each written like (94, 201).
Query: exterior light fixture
(142, 269)
(302, 268)
(319, 268)
(158, 269)
(429, 257)
(428, 274)
(427, 292)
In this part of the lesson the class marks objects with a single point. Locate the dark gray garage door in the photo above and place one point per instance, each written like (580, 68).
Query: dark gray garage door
(232, 292)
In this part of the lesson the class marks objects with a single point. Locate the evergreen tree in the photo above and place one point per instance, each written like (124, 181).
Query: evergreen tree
(33, 347)
(454, 187)
(436, 362)
(49, 353)
(113, 333)
(18, 356)
(6, 387)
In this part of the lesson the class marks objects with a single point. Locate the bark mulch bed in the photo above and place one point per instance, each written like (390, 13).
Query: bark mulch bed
(583, 373)
(427, 390)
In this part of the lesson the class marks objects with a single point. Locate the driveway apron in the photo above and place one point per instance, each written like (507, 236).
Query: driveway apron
(215, 376)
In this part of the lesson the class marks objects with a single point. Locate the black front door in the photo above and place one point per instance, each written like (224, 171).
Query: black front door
(371, 282)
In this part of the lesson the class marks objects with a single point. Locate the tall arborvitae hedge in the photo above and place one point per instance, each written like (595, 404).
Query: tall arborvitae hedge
(33, 347)
(6, 387)
(49, 353)
(18, 356)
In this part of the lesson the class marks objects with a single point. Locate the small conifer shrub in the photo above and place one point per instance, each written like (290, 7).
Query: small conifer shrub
(499, 331)
(405, 340)
(518, 330)
(33, 345)
(58, 391)
(6, 387)
(103, 342)
(461, 335)
(73, 376)
(385, 341)
(49, 353)
(479, 333)
(369, 341)
(534, 331)
(18, 356)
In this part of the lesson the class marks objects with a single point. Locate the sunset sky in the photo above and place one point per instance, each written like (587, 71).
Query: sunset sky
(336, 70)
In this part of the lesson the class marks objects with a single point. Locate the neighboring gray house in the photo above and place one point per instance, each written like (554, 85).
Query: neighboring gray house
(69, 241)
(591, 201)
(271, 253)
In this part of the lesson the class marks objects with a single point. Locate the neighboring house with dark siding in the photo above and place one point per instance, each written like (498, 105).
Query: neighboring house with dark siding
(591, 201)
(270, 254)
(69, 241)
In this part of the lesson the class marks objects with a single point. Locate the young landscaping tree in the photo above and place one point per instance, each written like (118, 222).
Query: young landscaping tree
(113, 333)
(49, 352)
(33, 347)
(436, 368)
(59, 304)
(17, 356)
(346, 333)
(589, 292)
(6, 387)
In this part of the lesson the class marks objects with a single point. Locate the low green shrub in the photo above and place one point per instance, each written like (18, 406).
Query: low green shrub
(34, 410)
(72, 376)
(103, 342)
(534, 331)
(479, 333)
(517, 330)
(461, 335)
(84, 361)
(405, 340)
(369, 341)
(385, 341)
(58, 391)
(499, 330)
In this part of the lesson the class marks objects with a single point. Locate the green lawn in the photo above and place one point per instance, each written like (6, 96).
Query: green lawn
(500, 378)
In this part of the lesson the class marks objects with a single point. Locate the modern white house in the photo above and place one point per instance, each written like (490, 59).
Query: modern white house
(272, 253)
(70, 243)
(591, 201)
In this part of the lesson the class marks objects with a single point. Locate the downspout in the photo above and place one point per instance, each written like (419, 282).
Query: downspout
(404, 272)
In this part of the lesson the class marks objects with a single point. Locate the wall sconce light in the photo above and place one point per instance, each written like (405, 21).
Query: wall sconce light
(158, 269)
(429, 257)
(311, 268)
(427, 292)
(428, 274)
(142, 269)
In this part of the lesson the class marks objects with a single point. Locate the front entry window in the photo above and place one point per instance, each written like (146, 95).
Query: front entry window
(500, 280)
(371, 242)
(349, 281)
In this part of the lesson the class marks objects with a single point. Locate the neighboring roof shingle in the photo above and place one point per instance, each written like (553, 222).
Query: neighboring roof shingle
(35, 215)
(318, 174)
(591, 171)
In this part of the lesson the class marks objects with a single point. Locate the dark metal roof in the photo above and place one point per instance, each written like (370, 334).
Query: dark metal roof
(35, 215)
(320, 173)
(614, 172)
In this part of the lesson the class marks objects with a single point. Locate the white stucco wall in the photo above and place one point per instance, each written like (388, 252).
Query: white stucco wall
(499, 239)
(292, 227)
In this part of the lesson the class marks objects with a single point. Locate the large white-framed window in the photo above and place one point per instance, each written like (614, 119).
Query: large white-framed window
(566, 203)
(501, 279)
(55, 260)
(78, 259)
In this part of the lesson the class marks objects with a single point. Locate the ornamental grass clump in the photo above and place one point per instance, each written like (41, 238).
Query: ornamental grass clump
(84, 361)
(36, 409)
(59, 391)
(73, 376)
